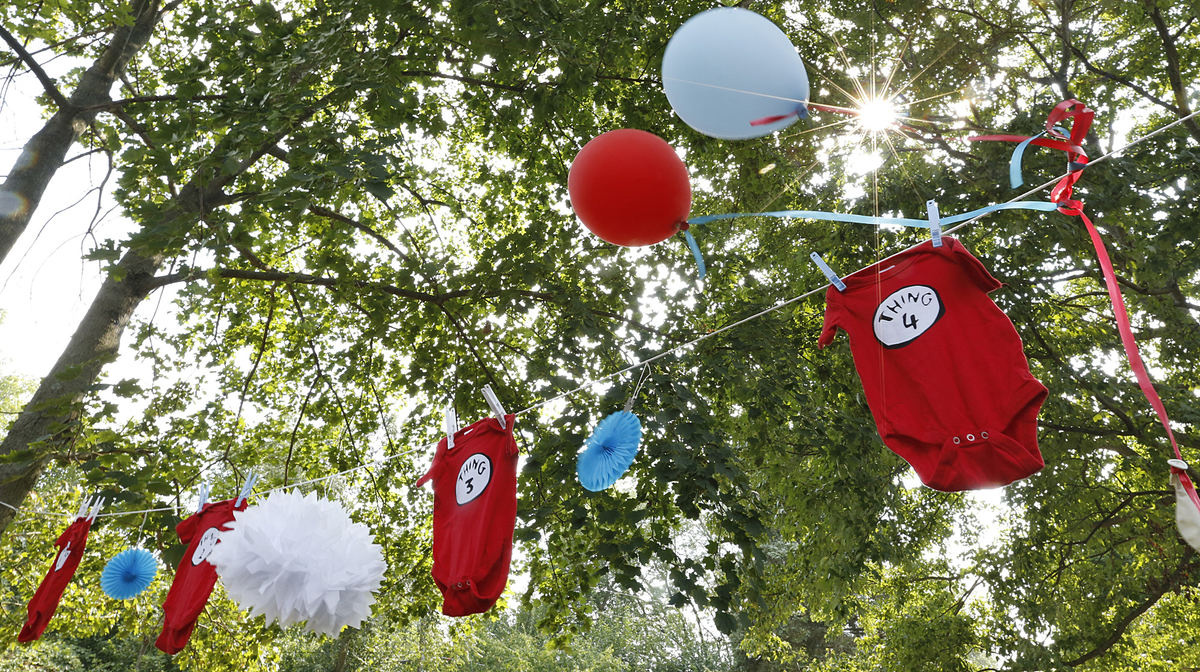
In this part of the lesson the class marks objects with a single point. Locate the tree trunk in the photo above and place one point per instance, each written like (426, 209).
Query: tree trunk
(47, 419)
(43, 155)
(47, 422)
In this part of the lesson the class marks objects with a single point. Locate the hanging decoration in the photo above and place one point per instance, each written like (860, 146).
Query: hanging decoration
(129, 573)
(195, 576)
(1187, 515)
(1071, 143)
(921, 327)
(300, 558)
(629, 188)
(731, 73)
(71, 544)
(474, 513)
(612, 447)
(610, 451)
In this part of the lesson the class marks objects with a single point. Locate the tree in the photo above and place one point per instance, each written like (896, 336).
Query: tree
(358, 210)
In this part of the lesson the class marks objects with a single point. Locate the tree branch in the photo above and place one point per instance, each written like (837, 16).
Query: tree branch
(1168, 583)
(1173, 76)
(47, 83)
(150, 99)
(306, 279)
(337, 216)
(1123, 81)
(1109, 404)
(462, 78)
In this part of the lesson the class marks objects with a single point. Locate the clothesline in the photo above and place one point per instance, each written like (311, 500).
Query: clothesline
(677, 348)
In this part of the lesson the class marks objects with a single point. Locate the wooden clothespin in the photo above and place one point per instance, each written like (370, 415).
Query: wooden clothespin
(247, 488)
(205, 491)
(450, 423)
(95, 510)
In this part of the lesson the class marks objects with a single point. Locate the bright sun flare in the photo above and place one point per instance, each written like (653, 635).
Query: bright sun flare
(876, 115)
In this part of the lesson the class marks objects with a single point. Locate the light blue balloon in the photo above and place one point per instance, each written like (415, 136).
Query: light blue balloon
(727, 67)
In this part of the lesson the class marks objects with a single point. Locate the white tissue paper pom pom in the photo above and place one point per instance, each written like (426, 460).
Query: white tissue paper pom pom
(294, 558)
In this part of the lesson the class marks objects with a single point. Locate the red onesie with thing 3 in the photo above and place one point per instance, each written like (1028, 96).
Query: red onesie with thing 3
(195, 577)
(942, 367)
(474, 512)
(41, 608)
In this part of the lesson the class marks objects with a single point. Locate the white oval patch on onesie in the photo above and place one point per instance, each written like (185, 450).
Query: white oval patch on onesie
(905, 314)
(208, 541)
(473, 478)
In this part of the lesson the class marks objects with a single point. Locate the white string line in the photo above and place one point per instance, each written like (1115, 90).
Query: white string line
(749, 93)
(681, 346)
(343, 472)
(263, 492)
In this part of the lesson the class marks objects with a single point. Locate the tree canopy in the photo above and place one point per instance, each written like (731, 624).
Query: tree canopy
(346, 212)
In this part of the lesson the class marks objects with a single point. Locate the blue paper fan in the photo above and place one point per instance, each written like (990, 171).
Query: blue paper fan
(128, 574)
(610, 450)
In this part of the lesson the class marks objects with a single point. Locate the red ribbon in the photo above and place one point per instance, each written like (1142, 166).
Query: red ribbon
(1081, 121)
(770, 120)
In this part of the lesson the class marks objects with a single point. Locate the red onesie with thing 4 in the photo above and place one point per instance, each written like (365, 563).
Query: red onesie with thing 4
(41, 608)
(942, 367)
(474, 512)
(195, 577)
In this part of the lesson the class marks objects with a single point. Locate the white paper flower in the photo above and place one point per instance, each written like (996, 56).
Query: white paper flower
(296, 558)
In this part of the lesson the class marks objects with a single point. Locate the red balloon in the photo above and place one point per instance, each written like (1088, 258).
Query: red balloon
(629, 188)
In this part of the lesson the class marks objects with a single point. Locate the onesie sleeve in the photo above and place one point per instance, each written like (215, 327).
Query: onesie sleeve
(975, 268)
(186, 528)
(832, 312)
(435, 466)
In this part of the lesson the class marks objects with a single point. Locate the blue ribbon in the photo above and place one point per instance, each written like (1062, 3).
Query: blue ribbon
(1014, 163)
(691, 241)
(1041, 206)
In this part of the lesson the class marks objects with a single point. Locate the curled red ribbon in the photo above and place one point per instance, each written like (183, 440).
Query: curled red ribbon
(1081, 121)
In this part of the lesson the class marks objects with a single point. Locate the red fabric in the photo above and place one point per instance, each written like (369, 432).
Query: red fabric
(195, 577)
(474, 515)
(72, 543)
(1132, 353)
(942, 367)
(1081, 118)
(1081, 121)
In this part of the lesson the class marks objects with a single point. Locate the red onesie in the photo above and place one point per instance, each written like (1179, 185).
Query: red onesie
(195, 577)
(474, 512)
(41, 608)
(942, 367)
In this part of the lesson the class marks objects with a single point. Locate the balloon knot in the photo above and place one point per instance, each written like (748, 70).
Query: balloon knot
(684, 226)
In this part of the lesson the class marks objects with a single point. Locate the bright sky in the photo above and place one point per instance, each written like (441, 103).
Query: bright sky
(44, 286)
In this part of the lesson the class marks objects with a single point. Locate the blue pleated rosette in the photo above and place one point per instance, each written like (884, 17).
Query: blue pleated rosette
(128, 574)
(609, 451)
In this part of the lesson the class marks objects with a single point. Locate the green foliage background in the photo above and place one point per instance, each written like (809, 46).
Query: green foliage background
(394, 230)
